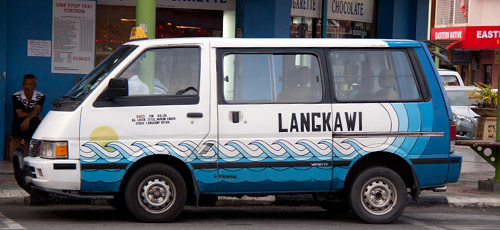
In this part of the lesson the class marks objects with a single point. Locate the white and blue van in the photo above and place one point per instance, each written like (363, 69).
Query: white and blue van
(168, 122)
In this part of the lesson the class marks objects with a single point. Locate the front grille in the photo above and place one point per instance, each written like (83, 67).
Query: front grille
(29, 171)
(35, 148)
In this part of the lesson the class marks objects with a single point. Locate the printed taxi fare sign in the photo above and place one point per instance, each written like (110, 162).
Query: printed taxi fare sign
(73, 34)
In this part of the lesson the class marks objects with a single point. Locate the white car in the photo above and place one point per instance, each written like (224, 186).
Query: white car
(450, 77)
(463, 116)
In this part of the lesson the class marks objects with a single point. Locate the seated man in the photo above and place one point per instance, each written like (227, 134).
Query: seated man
(387, 82)
(135, 84)
(365, 89)
(296, 87)
(27, 104)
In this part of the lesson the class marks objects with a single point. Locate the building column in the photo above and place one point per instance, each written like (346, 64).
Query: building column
(402, 19)
(264, 18)
(229, 24)
(324, 19)
(422, 20)
(145, 13)
(3, 70)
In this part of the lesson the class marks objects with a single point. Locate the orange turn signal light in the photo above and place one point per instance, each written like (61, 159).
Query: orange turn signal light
(61, 151)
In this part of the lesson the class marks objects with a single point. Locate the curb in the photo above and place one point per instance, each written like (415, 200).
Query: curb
(460, 201)
(14, 197)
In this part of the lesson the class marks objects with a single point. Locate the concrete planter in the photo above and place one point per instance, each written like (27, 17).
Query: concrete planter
(485, 129)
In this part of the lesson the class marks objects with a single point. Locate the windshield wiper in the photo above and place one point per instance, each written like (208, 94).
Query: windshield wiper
(56, 102)
(59, 102)
(67, 97)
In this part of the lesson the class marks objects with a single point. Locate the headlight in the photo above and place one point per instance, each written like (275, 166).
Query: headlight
(54, 149)
(462, 118)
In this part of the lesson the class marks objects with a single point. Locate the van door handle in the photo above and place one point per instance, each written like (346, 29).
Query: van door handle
(235, 115)
(195, 115)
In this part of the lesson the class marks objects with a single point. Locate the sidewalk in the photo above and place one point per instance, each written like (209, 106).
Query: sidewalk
(464, 193)
(10, 192)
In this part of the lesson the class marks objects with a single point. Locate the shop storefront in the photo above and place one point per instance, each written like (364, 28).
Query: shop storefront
(473, 50)
(345, 19)
(306, 19)
(115, 19)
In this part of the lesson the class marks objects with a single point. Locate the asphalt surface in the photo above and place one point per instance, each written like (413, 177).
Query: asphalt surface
(85, 217)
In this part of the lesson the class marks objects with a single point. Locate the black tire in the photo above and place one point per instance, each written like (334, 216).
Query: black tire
(166, 191)
(18, 173)
(377, 195)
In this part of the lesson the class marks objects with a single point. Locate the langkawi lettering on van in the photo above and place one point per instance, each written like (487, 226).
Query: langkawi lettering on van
(316, 122)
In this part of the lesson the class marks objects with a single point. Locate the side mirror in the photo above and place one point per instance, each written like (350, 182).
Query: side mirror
(117, 87)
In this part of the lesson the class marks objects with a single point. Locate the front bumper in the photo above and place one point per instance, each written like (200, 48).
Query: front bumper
(52, 173)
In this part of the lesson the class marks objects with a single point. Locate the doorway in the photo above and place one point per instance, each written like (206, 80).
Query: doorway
(487, 74)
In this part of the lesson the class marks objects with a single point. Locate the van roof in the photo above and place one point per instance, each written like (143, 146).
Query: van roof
(281, 42)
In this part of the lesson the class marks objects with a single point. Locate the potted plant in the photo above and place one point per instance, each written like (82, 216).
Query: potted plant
(485, 98)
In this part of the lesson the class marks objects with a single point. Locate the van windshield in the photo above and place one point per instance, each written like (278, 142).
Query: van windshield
(450, 80)
(81, 90)
(459, 97)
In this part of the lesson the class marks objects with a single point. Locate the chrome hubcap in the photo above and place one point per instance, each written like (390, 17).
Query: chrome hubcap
(378, 196)
(156, 194)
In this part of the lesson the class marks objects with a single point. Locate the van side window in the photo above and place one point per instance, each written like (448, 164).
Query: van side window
(272, 78)
(168, 71)
(373, 76)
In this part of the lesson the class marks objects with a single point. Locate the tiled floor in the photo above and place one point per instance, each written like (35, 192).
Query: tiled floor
(6, 167)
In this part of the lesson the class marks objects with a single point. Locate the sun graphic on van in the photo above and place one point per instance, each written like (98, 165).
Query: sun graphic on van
(103, 135)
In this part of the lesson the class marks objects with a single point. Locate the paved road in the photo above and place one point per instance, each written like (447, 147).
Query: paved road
(84, 217)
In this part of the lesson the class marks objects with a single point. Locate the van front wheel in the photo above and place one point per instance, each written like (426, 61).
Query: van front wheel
(155, 193)
(378, 195)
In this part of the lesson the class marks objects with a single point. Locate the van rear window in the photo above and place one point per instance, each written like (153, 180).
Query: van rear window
(272, 78)
(373, 76)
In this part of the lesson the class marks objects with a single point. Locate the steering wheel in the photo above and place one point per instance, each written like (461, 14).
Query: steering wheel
(183, 91)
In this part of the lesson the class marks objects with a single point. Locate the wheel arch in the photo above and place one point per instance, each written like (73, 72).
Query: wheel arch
(389, 160)
(177, 164)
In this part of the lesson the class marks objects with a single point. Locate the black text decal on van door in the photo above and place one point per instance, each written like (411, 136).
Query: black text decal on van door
(319, 122)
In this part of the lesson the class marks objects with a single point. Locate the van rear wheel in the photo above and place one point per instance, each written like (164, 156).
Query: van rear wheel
(155, 193)
(378, 195)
